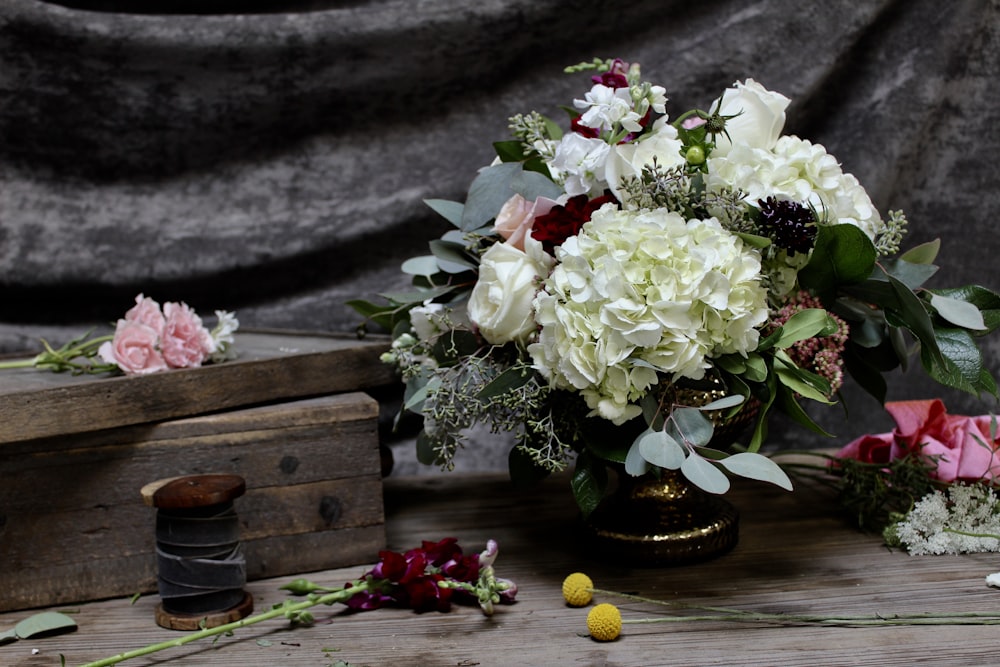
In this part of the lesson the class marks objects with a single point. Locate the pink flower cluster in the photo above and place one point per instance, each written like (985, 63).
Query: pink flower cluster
(822, 355)
(961, 448)
(149, 340)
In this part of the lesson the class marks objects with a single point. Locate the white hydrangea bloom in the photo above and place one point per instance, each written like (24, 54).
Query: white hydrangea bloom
(798, 170)
(952, 522)
(638, 292)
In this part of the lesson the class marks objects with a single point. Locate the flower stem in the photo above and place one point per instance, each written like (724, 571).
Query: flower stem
(957, 618)
(286, 609)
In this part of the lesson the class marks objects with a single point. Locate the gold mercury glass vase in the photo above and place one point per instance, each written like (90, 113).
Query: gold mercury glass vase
(662, 519)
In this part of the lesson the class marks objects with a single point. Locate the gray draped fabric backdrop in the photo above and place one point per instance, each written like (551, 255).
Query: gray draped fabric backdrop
(274, 162)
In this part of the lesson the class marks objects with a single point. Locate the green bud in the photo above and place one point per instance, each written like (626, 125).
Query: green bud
(300, 587)
(695, 155)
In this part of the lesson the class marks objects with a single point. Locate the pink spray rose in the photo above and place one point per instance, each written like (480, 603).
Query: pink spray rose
(963, 447)
(185, 341)
(515, 218)
(134, 349)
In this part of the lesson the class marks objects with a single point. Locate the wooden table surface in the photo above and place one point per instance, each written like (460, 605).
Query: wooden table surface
(794, 555)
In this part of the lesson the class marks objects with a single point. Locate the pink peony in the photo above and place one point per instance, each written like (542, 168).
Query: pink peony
(134, 349)
(962, 446)
(185, 341)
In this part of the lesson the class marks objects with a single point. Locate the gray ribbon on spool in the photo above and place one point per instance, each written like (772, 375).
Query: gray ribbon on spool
(200, 563)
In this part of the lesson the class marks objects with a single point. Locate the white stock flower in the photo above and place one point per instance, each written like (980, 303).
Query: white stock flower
(501, 301)
(636, 292)
(607, 107)
(759, 116)
(580, 163)
(222, 336)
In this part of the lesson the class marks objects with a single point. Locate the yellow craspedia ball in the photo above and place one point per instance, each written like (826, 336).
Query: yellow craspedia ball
(576, 589)
(604, 622)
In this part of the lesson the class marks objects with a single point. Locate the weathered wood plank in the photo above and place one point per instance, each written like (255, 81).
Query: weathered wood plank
(73, 525)
(795, 555)
(272, 366)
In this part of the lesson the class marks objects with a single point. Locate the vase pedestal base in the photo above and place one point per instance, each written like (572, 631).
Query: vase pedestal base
(653, 522)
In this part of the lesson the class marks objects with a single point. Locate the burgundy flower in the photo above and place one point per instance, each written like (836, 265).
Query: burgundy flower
(614, 77)
(562, 222)
(438, 553)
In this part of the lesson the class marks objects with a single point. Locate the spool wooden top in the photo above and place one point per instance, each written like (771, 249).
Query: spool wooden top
(193, 491)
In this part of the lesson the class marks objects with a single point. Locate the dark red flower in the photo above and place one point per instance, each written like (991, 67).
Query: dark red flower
(614, 77)
(562, 222)
(589, 132)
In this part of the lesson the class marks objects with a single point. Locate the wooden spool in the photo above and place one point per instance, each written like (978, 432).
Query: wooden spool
(190, 494)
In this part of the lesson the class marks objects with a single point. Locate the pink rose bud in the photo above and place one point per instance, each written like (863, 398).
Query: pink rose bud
(518, 215)
(134, 349)
(185, 343)
(692, 122)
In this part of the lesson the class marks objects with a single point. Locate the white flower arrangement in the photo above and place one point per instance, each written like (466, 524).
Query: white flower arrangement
(594, 272)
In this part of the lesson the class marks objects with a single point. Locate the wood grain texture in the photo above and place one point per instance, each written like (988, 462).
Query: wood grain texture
(272, 366)
(74, 526)
(795, 555)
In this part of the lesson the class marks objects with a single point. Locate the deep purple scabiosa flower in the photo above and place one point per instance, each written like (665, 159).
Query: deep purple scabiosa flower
(790, 225)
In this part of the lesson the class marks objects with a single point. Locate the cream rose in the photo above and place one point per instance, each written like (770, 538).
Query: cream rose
(500, 304)
(759, 116)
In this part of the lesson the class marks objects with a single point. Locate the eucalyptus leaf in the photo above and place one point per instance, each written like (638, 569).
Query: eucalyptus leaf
(658, 448)
(451, 257)
(757, 466)
(693, 425)
(45, 623)
(911, 275)
(425, 449)
(489, 191)
(704, 475)
(424, 265)
(532, 185)
(449, 210)
(8, 636)
(959, 312)
(635, 464)
(723, 403)
(986, 300)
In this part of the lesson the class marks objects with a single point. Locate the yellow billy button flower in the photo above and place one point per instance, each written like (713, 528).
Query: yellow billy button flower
(576, 589)
(604, 622)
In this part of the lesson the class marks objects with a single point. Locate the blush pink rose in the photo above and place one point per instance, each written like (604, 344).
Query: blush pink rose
(516, 216)
(962, 446)
(185, 341)
(146, 311)
(134, 349)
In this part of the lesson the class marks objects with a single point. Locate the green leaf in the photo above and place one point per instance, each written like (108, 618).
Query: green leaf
(801, 381)
(925, 253)
(449, 210)
(44, 624)
(524, 472)
(913, 314)
(962, 363)
(658, 448)
(842, 255)
(911, 275)
(704, 475)
(510, 379)
(959, 312)
(756, 368)
(987, 301)
(757, 466)
(804, 324)
(511, 150)
(532, 185)
(635, 463)
(8, 636)
(497, 183)
(790, 406)
(425, 449)
(753, 240)
(588, 483)
(866, 373)
(424, 265)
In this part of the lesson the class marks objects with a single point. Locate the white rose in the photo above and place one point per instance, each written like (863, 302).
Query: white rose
(627, 160)
(759, 116)
(501, 301)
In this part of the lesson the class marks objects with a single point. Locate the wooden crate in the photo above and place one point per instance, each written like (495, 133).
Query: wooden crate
(73, 525)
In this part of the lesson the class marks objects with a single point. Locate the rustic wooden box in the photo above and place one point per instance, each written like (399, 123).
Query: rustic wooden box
(73, 525)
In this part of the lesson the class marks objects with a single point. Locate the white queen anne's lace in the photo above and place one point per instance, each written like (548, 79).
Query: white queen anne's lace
(638, 292)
